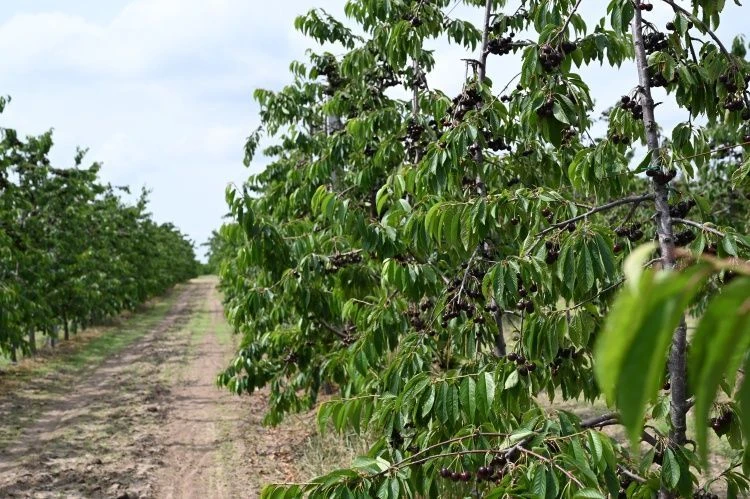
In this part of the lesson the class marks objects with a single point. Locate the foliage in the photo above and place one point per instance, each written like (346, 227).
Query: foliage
(71, 251)
(449, 264)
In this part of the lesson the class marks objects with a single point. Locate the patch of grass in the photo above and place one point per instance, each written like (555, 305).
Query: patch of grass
(90, 348)
(323, 453)
(224, 333)
(25, 388)
(199, 324)
(226, 456)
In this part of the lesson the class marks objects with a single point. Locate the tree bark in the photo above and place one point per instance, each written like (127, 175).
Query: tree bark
(485, 41)
(500, 347)
(415, 90)
(32, 341)
(677, 362)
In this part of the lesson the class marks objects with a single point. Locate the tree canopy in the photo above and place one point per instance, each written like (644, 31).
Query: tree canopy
(462, 268)
(72, 252)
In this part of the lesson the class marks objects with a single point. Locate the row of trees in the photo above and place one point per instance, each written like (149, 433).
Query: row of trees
(72, 252)
(456, 265)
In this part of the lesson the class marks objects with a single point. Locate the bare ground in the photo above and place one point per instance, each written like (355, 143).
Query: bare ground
(148, 421)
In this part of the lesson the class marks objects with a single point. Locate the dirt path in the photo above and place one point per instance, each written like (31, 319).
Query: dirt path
(149, 421)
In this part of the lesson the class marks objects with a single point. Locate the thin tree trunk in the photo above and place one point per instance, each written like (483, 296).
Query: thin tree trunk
(500, 348)
(485, 41)
(32, 341)
(677, 363)
(66, 328)
(415, 90)
(13, 355)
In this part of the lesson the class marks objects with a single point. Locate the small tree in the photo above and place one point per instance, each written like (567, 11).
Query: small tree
(71, 252)
(450, 263)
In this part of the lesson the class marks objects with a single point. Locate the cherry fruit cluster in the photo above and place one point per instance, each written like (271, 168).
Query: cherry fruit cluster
(720, 424)
(501, 45)
(655, 42)
(632, 105)
(550, 57)
(633, 232)
(553, 252)
(546, 110)
(616, 138)
(456, 476)
(704, 494)
(341, 260)
(523, 366)
(681, 209)
(660, 176)
(684, 238)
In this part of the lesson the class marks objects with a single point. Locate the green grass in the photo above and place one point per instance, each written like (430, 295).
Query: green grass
(224, 333)
(88, 353)
(55, 370)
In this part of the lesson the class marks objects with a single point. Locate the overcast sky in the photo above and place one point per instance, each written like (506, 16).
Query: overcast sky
(161, 90)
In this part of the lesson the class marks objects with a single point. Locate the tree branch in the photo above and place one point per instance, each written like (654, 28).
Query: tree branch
(698, 225)
(631, 474)
(599, 421)
(596, 209)
(332, 329)
(702, 25)
(570, 16)
(611, 419)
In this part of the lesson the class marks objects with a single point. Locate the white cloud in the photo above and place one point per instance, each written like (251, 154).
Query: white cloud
(160, 90)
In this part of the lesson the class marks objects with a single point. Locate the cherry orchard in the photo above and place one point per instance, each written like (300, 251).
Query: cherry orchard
(457, 267)
(72, 253)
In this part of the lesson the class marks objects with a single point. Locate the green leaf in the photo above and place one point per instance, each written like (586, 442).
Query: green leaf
(539, 482)
(489, 387)
(370, 464)
(718, 347)
(559, 114)
(589, 494)
(670, 470)
(645, 163)
(428, 400)
(511, 380)
(631, 351)
(743, 399)
(468, 397)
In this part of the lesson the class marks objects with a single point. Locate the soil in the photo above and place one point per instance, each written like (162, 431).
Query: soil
(148, 421)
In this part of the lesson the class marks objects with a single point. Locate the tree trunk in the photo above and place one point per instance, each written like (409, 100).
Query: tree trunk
(415, 91)
(500, 348)
(32, 341)
(66, 328)
(485, 41)
(677, 363)
(13, 355)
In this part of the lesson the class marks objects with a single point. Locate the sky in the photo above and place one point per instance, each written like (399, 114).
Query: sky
(160, 91)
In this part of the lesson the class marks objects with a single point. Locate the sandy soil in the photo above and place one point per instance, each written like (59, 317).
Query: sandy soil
(149, 421)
